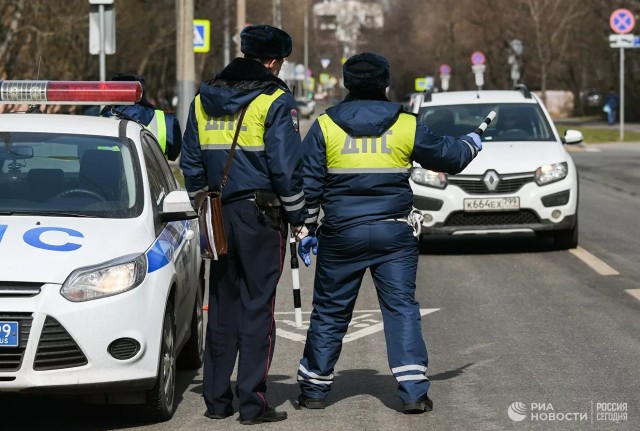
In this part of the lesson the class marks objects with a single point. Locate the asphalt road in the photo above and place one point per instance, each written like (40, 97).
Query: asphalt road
(507, 320)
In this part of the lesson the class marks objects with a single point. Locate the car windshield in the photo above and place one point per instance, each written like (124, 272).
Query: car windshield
(68, 175)
(514, 121)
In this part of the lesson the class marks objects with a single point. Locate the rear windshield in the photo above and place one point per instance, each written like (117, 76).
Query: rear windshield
(514, 122)
(69, 175)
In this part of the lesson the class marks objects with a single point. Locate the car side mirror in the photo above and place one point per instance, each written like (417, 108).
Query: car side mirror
(177, 206)
(572, 137)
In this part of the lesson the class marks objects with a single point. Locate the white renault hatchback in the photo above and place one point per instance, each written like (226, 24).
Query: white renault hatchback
(101, 281)
(523, 180)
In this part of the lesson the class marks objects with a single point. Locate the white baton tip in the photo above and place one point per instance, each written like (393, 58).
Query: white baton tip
(298, 317)
(491, 115)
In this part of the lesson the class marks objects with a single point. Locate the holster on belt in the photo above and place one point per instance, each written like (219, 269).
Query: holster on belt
(270, 207)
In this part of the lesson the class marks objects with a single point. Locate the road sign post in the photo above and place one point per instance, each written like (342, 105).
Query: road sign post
(622, 22)
(445, 75)
(478, 67)
(102, 31)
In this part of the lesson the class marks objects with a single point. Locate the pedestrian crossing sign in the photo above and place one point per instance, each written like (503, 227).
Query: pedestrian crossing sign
(201, 35)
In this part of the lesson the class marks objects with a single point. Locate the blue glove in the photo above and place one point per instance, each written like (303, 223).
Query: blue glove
(306, 246)
(475, 138)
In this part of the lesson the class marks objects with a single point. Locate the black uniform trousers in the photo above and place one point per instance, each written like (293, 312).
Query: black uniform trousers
(242, 292)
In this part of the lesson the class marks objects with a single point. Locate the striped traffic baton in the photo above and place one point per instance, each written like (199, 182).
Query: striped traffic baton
(295, 280)
(483, 126)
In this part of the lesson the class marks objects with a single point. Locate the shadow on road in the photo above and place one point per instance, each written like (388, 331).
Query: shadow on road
(21, 412)
(347, 384)
(482, 244)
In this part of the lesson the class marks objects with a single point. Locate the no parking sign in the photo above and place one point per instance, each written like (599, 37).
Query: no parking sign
(477, 57)
(622, 21)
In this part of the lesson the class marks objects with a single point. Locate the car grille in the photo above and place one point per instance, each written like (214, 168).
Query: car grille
(427, 204)
(474, 184)
(11, 357)
(124, 348)
(501, 218)
(57, 349)
(12, 290)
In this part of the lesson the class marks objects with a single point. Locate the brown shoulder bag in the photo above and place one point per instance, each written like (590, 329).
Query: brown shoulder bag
(213, 238)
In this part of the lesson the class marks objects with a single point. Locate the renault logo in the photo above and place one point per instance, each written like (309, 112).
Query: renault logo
(491, 180)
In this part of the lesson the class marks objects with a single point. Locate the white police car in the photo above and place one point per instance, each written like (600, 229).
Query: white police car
(101, 281)
(523, 180)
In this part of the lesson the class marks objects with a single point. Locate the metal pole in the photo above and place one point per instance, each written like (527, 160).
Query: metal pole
(306, 36)
(186, 75)
(621, 107)
(278, 13)
(241, 16)
(103, 73)
(227, 38)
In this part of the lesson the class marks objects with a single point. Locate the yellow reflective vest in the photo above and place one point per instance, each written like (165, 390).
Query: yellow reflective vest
(158, 126)
(216, 133)
(388, 153)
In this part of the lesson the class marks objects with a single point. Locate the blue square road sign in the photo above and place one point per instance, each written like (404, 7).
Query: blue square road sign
(201, 35)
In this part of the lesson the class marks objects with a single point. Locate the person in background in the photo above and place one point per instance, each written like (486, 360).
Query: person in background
(263, 194)
(358, 158)
(164, 126)
(611, 106)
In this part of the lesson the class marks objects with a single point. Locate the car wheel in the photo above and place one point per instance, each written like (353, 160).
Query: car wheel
(192, 354)
(566, 239)
(160, 399)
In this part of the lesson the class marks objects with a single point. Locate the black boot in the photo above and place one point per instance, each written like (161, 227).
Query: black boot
(311, 403)
(422, 406)
(228, 412)
(269, 415)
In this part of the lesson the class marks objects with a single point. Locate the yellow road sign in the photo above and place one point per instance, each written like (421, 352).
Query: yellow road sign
(421, 84)
(201, 35)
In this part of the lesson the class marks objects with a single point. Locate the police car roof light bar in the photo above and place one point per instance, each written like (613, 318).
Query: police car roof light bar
(71, 92)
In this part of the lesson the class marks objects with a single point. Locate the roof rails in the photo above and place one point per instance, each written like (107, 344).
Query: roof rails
(523, 89)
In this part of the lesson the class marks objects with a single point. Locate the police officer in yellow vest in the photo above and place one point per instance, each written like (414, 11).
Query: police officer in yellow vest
(358, 157)
(164, 126)
(263, 193)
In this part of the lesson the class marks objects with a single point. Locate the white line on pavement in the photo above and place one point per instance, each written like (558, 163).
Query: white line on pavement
(355, 311)
(596, 264)
(634, 292)
(368, 330)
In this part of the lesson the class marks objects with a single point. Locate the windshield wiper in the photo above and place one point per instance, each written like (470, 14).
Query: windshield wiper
(42, 213)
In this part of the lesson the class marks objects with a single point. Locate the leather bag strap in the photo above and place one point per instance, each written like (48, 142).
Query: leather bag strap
(227, 167)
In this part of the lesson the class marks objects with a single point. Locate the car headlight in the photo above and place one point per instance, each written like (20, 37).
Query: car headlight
(429, 178)
(548, 174)
(109, 278)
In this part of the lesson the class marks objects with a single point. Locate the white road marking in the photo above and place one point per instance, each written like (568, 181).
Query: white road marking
(362, 319)
(596, 264)
(593, 150)
(634, 292)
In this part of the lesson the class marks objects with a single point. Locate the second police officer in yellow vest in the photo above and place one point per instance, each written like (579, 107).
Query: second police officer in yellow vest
(164, 126)
(358, 157)
(266, 170)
